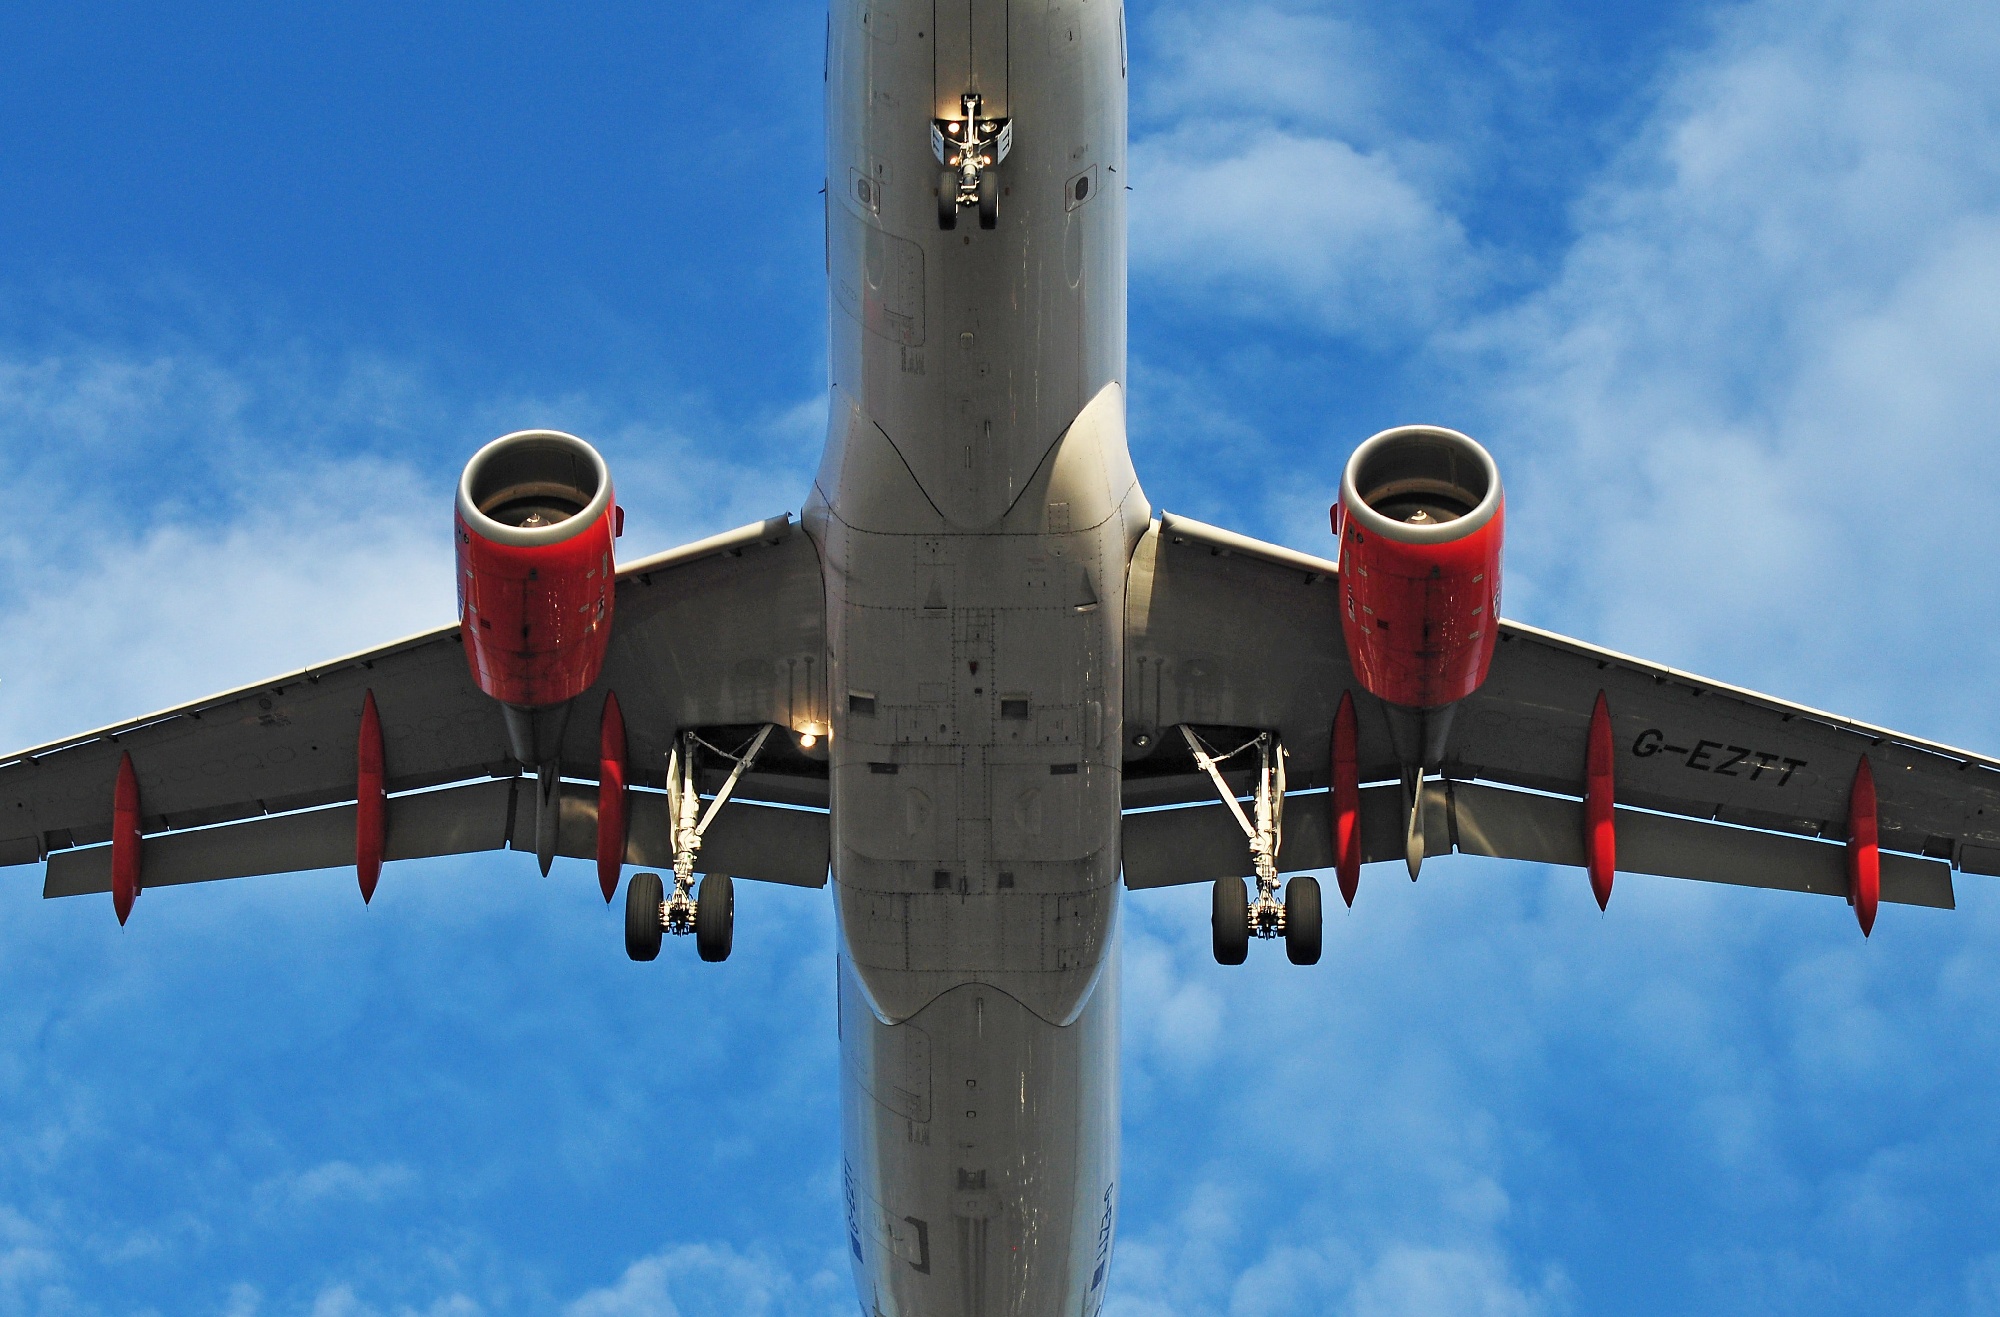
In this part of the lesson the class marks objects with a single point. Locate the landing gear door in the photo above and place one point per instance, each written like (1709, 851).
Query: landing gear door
(971, 55)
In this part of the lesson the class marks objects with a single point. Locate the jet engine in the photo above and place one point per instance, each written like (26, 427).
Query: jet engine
(536, 519)
(1420, 522)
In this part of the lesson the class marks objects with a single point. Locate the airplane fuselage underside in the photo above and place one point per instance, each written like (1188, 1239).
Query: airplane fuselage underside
(975, 512)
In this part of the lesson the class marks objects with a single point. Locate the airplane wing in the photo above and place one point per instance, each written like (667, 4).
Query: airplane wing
(1231, 635)
(723, 633)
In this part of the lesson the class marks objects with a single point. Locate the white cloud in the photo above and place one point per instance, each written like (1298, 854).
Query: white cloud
(1256, 220)
(1283, 171)
(1301, 67)
(31, 1269)
(338, 1182)
(195, 516)
(337, 558)
(1422, 1282)
(342, 1301)
(1759, 389)
(710, 1280)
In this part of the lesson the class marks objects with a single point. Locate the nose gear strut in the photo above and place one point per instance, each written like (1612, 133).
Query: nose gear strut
(969, 148)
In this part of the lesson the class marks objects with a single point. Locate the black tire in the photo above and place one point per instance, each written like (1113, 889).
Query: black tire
(643, 895)
(715, 917)
(989, 201)
(1302, 920)
(948, 199)
(1230, 922)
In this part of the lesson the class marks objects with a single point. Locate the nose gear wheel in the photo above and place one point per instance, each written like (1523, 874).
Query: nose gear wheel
(969, 148)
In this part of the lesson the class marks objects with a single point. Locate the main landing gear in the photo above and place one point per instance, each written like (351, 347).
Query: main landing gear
(1235, 917)
(714, 923)
(651, 911)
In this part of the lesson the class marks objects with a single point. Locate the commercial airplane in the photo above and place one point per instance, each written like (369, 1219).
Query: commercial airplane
(988, 689)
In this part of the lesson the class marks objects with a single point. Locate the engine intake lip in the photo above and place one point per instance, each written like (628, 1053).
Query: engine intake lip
(534, 487)
(1448, 475)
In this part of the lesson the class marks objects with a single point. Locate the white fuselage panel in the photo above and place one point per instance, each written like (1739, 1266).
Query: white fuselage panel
(975, 512)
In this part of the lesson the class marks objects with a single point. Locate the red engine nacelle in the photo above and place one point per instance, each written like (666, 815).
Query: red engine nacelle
(1420, 521)
(535, 523)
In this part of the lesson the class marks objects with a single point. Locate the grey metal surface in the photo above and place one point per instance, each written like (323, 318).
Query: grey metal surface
(1688, 745)
(730, 631)
(284, 744)
(451, 821)
(747, 840)
(1164, 848)
(727, 630)
(1226, 634)
(976, 507)
(1200, 843)
(1222, 633)
(764, 842)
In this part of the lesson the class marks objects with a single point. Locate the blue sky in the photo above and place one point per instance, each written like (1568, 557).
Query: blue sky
(1719, 284)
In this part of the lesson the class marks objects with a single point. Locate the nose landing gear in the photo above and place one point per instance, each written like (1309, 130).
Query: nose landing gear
(969, 148)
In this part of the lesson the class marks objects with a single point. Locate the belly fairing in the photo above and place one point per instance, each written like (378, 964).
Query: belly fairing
(976, 745)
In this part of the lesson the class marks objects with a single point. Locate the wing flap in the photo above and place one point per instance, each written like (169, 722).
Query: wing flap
(1518, 825)
(1200, 843)
(453, 821)
(768, 843)
(1169, 847)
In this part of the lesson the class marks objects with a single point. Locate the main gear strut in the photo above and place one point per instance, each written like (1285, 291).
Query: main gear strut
(1236, 917)
(690, 820)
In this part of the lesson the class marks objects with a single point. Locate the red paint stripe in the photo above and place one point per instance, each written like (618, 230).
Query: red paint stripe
(125, 840)
(1600, 818)
(1864, 856)
(371, 800)
(611, 778)
(1346, 800)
